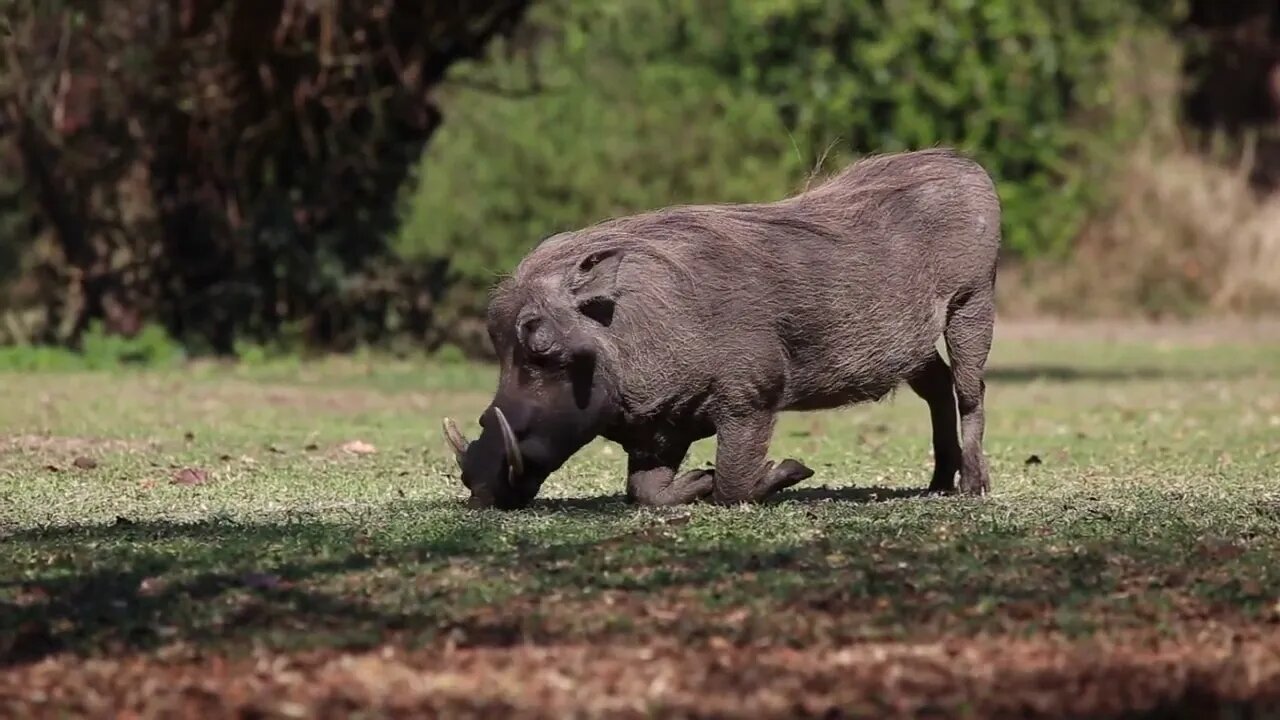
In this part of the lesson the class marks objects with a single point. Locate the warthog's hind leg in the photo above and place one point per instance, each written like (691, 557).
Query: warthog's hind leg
(934, 384)
(968, 335)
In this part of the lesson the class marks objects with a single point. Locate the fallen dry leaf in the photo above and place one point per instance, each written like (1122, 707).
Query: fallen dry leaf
(359, 447)
(150, 586)
(190, 476)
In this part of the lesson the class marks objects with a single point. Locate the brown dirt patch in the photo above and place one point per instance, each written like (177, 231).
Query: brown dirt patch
(64, 447)
(1119, 675)
(1194, 333)
(307, 399)
(326, 400)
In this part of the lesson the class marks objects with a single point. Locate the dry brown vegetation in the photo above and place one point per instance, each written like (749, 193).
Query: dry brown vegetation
(1184, 226)
(1216, 672)
(1186, 235)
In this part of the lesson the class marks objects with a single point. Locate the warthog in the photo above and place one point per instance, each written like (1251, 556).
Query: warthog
(663, 328)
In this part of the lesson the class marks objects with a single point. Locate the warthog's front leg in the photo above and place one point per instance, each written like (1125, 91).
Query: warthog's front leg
(652, 479)
(742, 473)
(784, 475)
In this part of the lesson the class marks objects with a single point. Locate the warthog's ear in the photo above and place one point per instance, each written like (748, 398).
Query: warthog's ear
(595, 284)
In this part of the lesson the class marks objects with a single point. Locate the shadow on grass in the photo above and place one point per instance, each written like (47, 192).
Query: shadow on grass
(855, 495)
(1129, 373)
(134, 586)
(616, 505)
(305, 584)
(146, 584)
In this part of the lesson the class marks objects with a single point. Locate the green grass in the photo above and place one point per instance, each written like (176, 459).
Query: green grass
(1156, 506)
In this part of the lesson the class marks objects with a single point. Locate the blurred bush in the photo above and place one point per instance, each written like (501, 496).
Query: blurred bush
(251, 174)
(227, 168)
(744, 99)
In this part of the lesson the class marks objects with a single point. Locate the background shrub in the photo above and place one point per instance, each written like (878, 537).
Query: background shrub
(252, 174)
(744, 100)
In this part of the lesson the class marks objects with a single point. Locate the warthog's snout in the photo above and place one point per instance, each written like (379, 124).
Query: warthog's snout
(495, 455)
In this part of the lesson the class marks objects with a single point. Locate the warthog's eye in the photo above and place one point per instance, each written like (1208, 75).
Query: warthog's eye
(537, 338)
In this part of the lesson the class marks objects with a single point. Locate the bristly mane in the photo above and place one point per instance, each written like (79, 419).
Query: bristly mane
(825, 210)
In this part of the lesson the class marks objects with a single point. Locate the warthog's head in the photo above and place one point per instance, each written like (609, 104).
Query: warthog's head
(550, 330)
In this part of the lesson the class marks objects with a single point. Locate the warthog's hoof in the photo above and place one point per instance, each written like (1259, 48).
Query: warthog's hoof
(784, 475)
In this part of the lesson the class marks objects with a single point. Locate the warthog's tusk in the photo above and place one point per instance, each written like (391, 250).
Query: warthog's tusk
(515, 463)
(455, 439)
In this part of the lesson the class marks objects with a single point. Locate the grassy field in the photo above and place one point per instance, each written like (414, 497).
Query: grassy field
(289, 541)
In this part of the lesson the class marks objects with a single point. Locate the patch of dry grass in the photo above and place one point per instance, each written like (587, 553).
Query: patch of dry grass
(1181, 232)
(1186, 235)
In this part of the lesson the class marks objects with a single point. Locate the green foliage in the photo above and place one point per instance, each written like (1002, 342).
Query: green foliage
(1023, 85)
(743, 99)
(495, 186)
(606, 133)
(449, 354)
(99, 350)
(151, 347)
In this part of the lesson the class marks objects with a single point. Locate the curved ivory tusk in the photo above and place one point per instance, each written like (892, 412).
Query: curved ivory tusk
(515, 463)
(455, 439)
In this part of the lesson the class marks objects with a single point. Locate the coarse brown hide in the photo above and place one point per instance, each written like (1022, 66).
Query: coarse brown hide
(659, 329)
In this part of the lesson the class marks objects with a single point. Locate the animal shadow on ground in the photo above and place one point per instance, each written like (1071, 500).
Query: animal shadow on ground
(616, 504)
(135, 586)
(1068, 373)
(854, 495)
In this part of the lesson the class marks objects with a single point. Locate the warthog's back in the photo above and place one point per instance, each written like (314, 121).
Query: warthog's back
(904, 236)
(832, 296)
